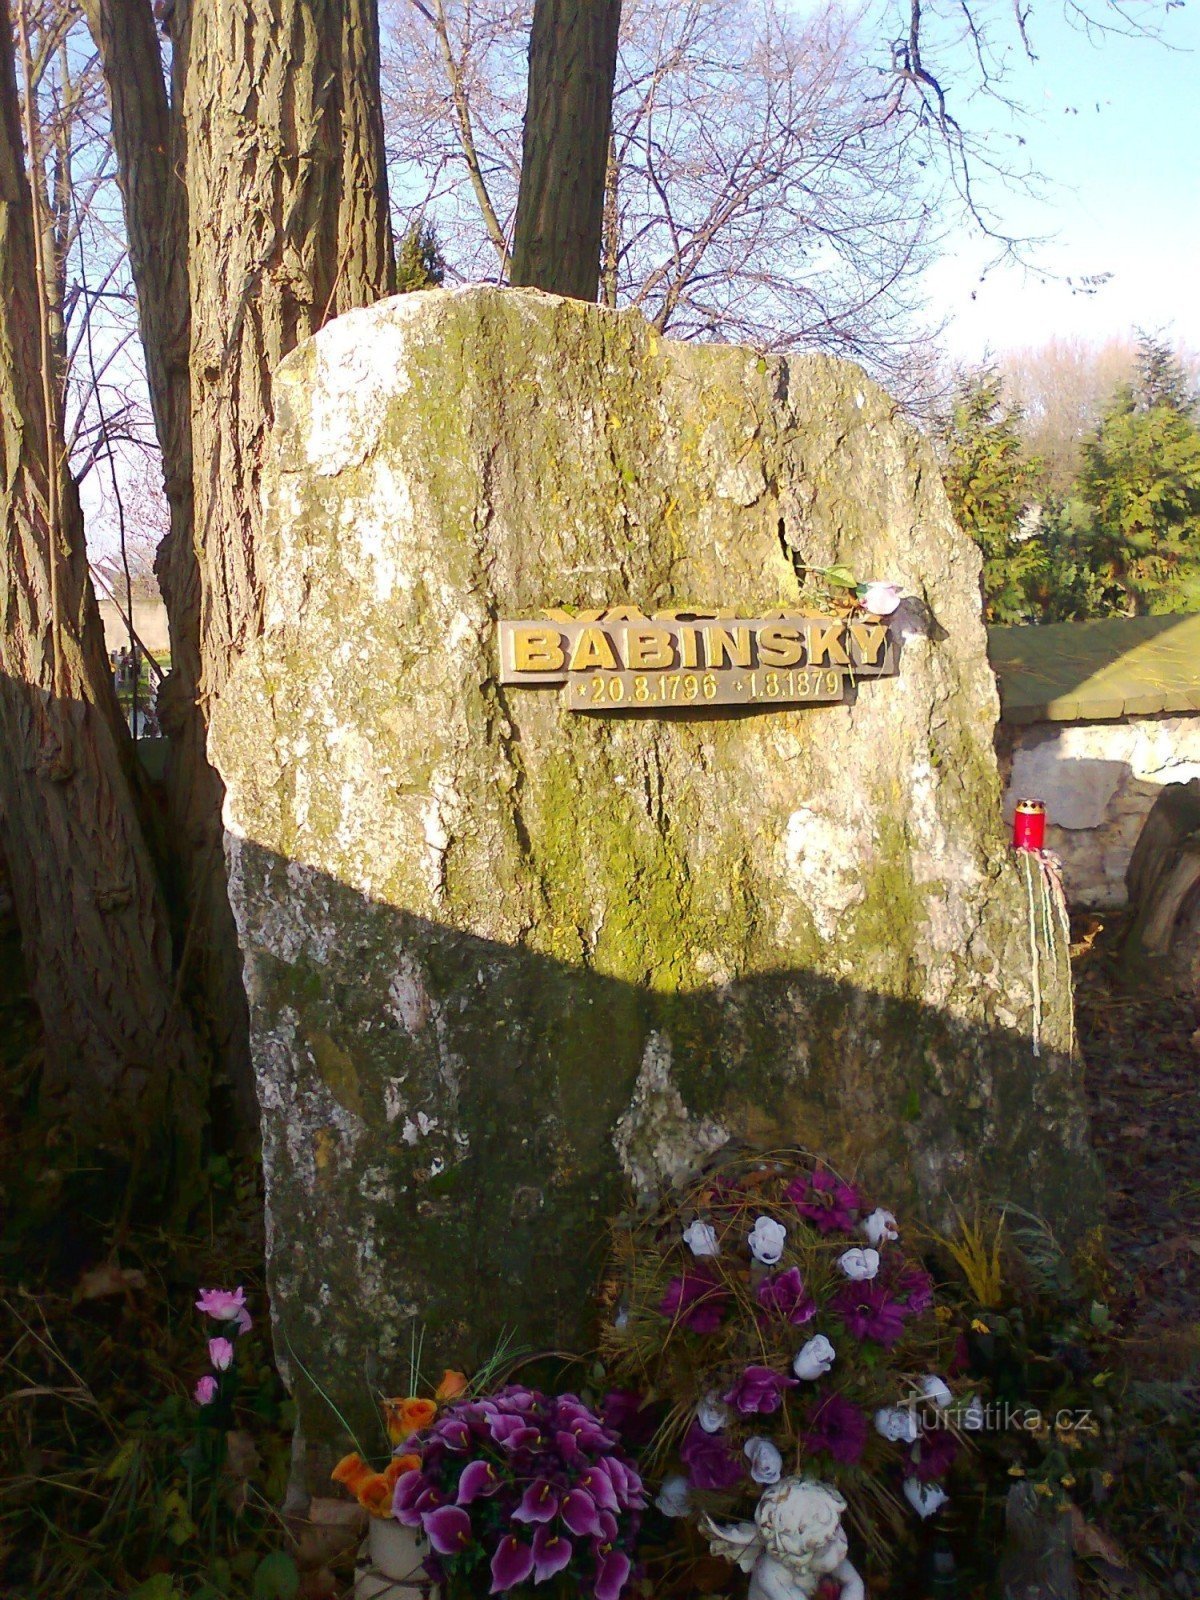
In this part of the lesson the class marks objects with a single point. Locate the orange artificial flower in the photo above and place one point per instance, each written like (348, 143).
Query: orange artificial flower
(351, 1471)
(407, 1416)
(452, 1387)
(398, 1466)
(375, 1495)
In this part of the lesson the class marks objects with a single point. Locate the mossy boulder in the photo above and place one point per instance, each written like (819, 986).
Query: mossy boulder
(504, 960)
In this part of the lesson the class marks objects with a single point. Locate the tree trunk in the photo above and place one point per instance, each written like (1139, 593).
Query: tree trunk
(148, 141)
(568, 120)
(119, 1055)
(366, 250)
(245, 235)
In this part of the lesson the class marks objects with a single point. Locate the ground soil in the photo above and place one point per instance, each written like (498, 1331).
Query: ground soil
(1142, 1049)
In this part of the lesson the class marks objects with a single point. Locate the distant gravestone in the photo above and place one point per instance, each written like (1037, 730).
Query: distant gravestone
(506, 955)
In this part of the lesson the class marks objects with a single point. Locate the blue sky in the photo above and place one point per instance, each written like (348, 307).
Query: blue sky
(1116, 128)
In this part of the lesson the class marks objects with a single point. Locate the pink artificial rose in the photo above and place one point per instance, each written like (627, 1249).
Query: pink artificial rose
(206, 1390)
(220, 1353)
(222, 1305)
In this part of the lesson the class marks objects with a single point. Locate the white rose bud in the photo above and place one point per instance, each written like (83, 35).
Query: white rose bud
(936, 1390)
(766, 1464)
(880, 1227)
(924, 1498)
(881, 599)
(674, 1498)
(766, 1241)
(859, 1264)
(711, 1414)
(897, 1423)
(701, 1239)
(814, 1359)
(972, 1416)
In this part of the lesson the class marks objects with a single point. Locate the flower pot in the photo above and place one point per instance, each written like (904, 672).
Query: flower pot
(389, 1565)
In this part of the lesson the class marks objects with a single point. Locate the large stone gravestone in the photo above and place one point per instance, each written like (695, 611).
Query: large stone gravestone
(502, 957)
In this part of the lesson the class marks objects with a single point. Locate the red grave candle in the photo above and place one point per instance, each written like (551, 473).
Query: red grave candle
(1029, 825)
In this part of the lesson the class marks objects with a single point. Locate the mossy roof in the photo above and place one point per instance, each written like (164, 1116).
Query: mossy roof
(1097, 671)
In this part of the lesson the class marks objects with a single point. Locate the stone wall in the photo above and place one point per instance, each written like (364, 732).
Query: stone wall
(506, 962)
(1099, 781)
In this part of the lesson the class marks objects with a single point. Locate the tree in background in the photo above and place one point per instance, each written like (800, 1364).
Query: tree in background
(989, 480)
(419, 263)
(1141, 483)
(565, 148)
(1062, 388)
(757, 188)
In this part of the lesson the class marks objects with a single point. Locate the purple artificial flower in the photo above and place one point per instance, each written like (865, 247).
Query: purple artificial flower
(825, 1200)
(598, 1482)
(580, 1514)
(696, 1299)
(837, 1429)
(478, 1479)
(539, 1503)
(551, 1553)
(612, 1574)
(222, 1305)
(625, 1413)
(410, 1488)
(514, 1432)
(453, 1433)
(783, 1295)
(205, 1391)
(914, 1286)
(710, 1463)
(932, 1456)
(759, 1390)
(870, 1312)
(448, 1530)
(511, 1564)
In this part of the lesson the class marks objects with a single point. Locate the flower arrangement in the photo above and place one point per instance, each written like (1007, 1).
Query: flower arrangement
(519, 1488)
(773, 1311)
(403, 1417)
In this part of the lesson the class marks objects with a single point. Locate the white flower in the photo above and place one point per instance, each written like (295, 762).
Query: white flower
(766, 1241)
(924, 1498)
(859, 1264)
(621, 1320)
(936, 1390)
(674, 1498)
(879, 1227)
(701, 1239)
(815, 1358)
(711, 1414)
(739, 1542)
(766, 1464)
(971, 1417)
(799, 1521)
(897, 1423)
(881, 599)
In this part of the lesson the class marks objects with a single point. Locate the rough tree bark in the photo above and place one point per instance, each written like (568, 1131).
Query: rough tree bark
(119, 1054)
(568, 122)
(366, 250)
(148, 141)
(247, 231)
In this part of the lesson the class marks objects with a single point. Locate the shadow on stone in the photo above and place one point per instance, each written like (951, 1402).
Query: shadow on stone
(449, 1122)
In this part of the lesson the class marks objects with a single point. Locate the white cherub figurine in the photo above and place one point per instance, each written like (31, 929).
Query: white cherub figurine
(795, 1540)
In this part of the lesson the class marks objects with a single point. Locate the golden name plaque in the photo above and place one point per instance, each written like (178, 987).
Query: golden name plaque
(621, 660)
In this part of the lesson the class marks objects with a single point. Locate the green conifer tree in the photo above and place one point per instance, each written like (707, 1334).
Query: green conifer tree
(989, 480)
(1140, 483)
(419, 263)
